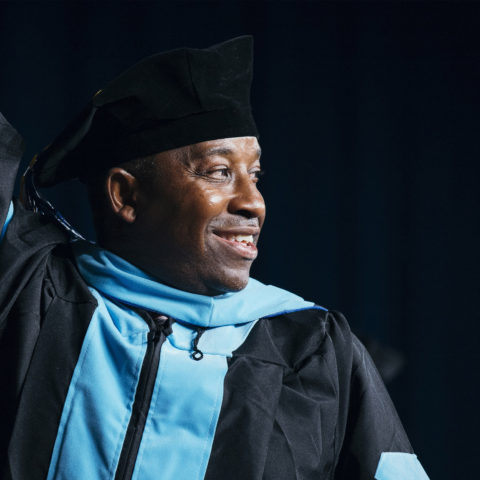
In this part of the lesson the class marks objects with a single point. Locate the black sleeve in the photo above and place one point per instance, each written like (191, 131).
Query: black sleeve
(11, 150)
(369, 422)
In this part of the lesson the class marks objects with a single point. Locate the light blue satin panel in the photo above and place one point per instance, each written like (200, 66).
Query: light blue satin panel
(186, 404)
(399, 466)
(7, 221)
(99, 401)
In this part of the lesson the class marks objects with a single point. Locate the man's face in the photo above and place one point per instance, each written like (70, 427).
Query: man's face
(198, 221)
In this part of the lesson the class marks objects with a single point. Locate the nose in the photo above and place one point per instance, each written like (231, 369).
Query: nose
(247, 199)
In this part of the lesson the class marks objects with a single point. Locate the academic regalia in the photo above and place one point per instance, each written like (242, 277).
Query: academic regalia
(286, 391)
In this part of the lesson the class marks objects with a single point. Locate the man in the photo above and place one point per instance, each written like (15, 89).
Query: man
(153, 354)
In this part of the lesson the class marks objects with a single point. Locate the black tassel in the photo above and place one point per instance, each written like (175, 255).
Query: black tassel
(33, 201)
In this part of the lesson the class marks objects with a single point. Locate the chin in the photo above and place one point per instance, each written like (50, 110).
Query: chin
(230, 283)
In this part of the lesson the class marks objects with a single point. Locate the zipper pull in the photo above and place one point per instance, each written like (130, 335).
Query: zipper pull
(197, 354)
(160, 324)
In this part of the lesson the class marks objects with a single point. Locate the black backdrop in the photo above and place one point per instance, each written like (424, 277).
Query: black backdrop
(368, 114)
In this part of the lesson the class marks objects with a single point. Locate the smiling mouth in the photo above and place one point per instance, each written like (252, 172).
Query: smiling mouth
(248, 239)
(239, 243)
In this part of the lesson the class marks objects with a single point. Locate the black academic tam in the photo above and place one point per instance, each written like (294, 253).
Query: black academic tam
(169, 100)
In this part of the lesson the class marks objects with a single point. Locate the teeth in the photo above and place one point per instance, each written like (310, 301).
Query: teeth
(240, 238)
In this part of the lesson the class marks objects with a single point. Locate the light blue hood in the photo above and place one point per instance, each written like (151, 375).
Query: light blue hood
(119, 279)
(188, 394)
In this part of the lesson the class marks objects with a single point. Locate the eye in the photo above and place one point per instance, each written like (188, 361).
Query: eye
(257, 174)
(218, 173)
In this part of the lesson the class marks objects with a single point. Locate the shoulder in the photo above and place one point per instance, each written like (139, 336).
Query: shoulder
(31, 231)
(36, 262)
(24, 254)
(34, 249)
(34, 246)
(291, 338)
(65, 278)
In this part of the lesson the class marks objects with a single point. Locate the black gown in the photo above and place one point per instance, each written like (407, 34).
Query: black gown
(302, 398)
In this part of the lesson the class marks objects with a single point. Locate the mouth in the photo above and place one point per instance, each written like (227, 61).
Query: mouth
(240, 242)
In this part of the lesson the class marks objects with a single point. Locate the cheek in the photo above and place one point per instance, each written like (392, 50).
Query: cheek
(186, 212)
(204, 206)
(213, 203)
(195, 211)
(203, 203)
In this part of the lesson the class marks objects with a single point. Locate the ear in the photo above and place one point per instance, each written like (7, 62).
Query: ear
(122, 194)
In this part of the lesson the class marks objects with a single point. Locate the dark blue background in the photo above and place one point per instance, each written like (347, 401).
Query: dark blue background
(369, 121)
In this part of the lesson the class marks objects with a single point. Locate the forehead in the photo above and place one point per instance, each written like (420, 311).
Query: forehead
(242, 146)
(237, 149)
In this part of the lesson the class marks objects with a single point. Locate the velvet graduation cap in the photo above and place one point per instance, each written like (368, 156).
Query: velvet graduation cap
(165, 101)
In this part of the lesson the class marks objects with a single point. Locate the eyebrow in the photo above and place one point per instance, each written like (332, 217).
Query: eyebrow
(220, 151)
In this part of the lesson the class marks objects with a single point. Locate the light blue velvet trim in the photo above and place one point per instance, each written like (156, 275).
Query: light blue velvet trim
(117, 278)
(185, 406)
(101, 394)
(399, 466)
(7, 221)
(188, 394)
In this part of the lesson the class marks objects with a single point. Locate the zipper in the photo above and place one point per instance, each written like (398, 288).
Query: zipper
(160, 327)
